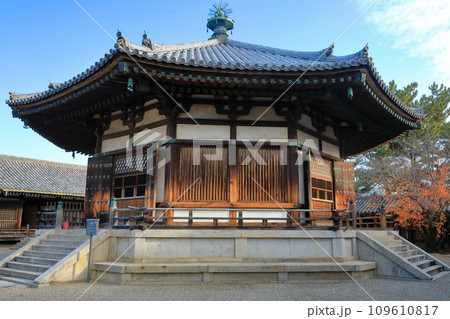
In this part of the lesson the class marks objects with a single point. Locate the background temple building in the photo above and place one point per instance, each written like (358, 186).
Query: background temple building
(28, 186)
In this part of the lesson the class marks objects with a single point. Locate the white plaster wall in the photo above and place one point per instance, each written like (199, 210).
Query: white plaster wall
(329, 132)
(306, 122)
(114, 144)
(202, 132)
(203, 111)
(255, 133)
(257, 111)
(148, 136)
(265, 214)
(115, 127)
(180, 213)
(330, 149)
(201, 213)
(302, 137)
(151, 116)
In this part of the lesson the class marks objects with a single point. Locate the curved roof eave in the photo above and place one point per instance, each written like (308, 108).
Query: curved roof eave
(232, 55)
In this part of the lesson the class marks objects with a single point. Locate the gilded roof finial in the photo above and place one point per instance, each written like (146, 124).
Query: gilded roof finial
(146, 41)
(219, 22)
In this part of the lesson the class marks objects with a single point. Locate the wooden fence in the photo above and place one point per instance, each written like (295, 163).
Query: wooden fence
(15, 234)
(376, 221)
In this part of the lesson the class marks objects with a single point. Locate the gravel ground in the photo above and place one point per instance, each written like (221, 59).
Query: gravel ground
(379, 289)
(4, 250)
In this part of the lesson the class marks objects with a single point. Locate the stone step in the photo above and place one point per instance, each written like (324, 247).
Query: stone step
(432, 270)
(68, 237)
(27, 266)
(383, 238)
(415, 258)
(398, 248)
(238, 272)
(408, 253)
(44, 254)
(37, 260)
(425, 263)
(17, 280)
(440, 274)
(376, 232)
(75, 232)
(22, 243)
(391, 242)
(62, 242)
(25, 274)
(65, 249)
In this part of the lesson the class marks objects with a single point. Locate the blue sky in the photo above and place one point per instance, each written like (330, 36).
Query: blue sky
(54, 40)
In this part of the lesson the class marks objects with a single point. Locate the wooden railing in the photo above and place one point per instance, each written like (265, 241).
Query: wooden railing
(376, 221)
(72, 212)
(143, 217)
(12, 234)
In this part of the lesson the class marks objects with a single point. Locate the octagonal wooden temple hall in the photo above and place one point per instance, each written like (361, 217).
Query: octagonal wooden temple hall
(230, 155)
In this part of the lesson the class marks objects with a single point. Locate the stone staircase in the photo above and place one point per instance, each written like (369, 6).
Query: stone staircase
(22, 243)
(40, 257)
(413, 255)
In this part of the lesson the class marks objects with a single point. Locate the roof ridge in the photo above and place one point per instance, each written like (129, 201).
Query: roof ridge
(42, 162)
(290, 53)
(160, 48)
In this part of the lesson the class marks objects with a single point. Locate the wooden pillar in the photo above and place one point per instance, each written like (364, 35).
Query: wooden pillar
(19, 215)
(98, 144)
(383, 222)
(170, 167)
(294, 192)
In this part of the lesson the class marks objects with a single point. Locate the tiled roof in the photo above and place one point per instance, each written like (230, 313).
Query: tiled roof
(34, 176)
(227, 54)
(372, 204)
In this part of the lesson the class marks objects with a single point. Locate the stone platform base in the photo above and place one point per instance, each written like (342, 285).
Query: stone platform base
(135, 273)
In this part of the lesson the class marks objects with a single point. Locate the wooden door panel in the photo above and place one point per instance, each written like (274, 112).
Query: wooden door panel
(320, 170)
(344, 184)
(98, 186)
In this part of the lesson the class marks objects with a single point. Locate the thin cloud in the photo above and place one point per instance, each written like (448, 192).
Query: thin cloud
(421, 28)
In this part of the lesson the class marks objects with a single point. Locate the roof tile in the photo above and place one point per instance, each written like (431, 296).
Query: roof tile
(29, 175)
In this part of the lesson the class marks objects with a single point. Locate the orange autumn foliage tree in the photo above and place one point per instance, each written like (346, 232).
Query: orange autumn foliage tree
(413, 171)
(422, 204)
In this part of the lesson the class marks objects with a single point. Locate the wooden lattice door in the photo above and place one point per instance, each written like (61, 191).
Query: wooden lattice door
(320, 189)
(98, 186)
(344, 184)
